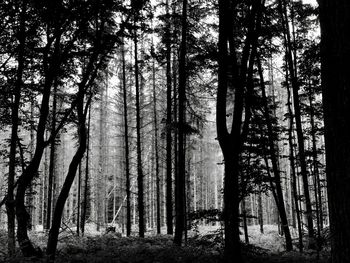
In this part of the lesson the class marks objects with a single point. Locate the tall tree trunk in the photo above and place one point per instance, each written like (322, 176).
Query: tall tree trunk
(52, 162)
(10, 203)
(126, 142)
(274, 160)
(79, 199)
(180, 177)
(86, 180)
(140, 196)
(231, 142)
(291, 62)
(169, 181)
(31, 170)
(292, 168)
(156, 148)
(72, 170)
(335, 57)
(317, 186)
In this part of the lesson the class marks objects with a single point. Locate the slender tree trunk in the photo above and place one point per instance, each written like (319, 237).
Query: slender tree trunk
(274, 160)
(79, 199)
(292, 169)
(261, 213)
(156, 145)
(72, 170)
(86, 180)
(52, 161)
(245, 224)
(335, 57)
(291, 62)
(180, 177)
(126, 142)
(10, 203)
(169, 181)
(317, 186)
(140, 197)
(31, 170)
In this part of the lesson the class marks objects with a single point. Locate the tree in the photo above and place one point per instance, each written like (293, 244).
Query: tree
(335, 72)
(180, 176)
(291, 65)
(10, 204)
(169, 180)
(239, 69)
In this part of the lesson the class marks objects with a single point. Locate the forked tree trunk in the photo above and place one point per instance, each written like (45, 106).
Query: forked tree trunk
(10, 203)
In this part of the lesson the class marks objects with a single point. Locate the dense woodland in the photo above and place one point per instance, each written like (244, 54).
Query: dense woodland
(175, 131)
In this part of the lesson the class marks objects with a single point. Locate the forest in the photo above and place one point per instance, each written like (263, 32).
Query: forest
(175, 131)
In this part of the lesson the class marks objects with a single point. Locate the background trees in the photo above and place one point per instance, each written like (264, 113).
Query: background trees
(109, 117)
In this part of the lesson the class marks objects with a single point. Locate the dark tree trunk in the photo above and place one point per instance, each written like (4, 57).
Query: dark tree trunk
(169, 180)
(140, 198)
(261, 213)
(156, 148)
(31, 170)
(316, 173)
(79, 199)
(181, 175)
(245, 224)
(335, 57)
(50, 189)
(293, 169)
(231, 142)
(10, 203)
(274, 160)
(72, 170)
(126, 142)
(86, 180)
(291, 62)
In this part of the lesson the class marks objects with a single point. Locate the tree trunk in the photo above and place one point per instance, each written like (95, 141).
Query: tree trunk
(86, 180)
(274, 160)
(140, 192)
(292, 169)
(52, 161)
(335, 57)
(126, 142)
(169, 181)
(156, 148)
(180, 176)
(72, 170)
(10, 203)
(291, 62)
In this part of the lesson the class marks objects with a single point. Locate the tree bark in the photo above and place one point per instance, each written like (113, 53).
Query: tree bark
(86, 180)
(335, 57)
(140, 191)
(291, 62)
(181, 175)
(10, 203)
(52, 165)
(126, 142)
(274, 160)
(169, 180)
(72, 171)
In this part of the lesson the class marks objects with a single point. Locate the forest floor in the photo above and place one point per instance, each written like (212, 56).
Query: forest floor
(203, 246)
